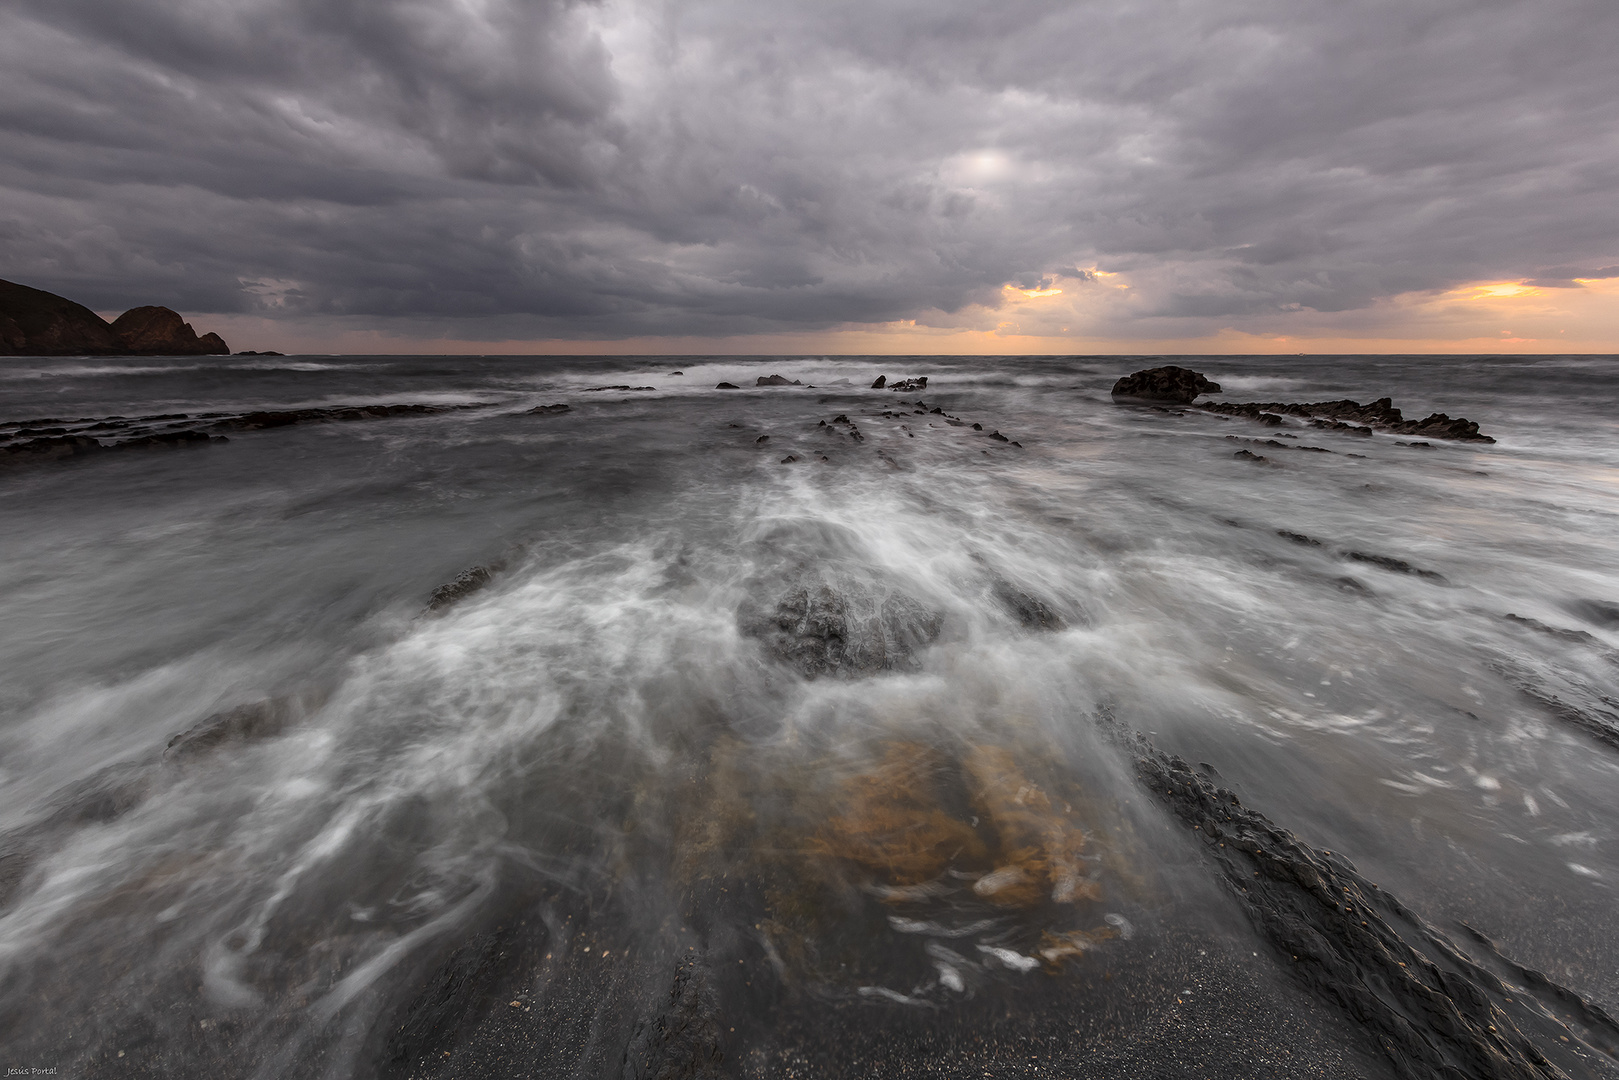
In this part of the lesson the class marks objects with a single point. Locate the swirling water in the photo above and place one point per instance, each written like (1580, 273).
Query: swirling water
(616, 733)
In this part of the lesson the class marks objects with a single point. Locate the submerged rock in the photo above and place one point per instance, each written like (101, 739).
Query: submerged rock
(1391, 564)
(821, 631)
(542, 410)
(776, 380)
(1033, 612)
(726, 386)
(910, 385)
(255, 720)
(1168, 383)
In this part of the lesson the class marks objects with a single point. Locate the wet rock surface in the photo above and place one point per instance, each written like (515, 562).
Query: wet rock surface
(1029, 610)
(1167, 383)
(1353, 418)
(48, 439)
(1434, 1010)
(465, 584)
(822, 631)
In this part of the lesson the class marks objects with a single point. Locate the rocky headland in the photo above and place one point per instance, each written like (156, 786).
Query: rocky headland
(34, 322)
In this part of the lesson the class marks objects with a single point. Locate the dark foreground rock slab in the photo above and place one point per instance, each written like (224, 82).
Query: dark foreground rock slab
(1168, 383)
(1435, 1011)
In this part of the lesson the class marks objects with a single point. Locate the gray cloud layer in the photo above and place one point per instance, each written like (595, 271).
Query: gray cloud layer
(716, 166)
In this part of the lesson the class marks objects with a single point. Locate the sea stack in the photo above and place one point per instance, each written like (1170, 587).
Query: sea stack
(1176, 385)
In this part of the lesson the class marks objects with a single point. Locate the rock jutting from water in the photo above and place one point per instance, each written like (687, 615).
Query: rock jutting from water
(1169, 383)
(1354, 418)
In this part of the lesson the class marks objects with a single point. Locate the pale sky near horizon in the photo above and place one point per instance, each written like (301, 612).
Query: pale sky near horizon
(889, 176)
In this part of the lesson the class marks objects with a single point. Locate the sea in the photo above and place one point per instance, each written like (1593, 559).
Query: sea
(784, 730)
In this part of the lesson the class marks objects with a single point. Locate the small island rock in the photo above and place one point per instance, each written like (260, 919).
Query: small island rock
(1168, 383)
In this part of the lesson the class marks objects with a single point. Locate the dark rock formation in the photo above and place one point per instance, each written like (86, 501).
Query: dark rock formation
(1168, 383)
(159, 331)
(544, 410)
(465, 584)
(1573, 700)
(1353, 417)
(882, 381)
(909, 385)
(23, 441)
(821, 631)
(1028, 609)
(726, 386)
(599, 389)
(1435, 1011)
(775, 380)
(1391, 564)
(37, 323)
(34, 322)
(251, 352)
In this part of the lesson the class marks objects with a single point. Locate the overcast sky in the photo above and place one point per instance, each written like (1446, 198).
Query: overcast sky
(1115, 170)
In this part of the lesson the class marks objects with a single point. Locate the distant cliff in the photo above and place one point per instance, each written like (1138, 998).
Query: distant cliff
(34, 322)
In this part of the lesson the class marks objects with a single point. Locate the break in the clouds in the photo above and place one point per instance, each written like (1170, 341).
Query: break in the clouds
(578, 170)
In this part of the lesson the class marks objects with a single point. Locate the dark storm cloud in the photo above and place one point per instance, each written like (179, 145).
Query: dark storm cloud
(577, 169)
